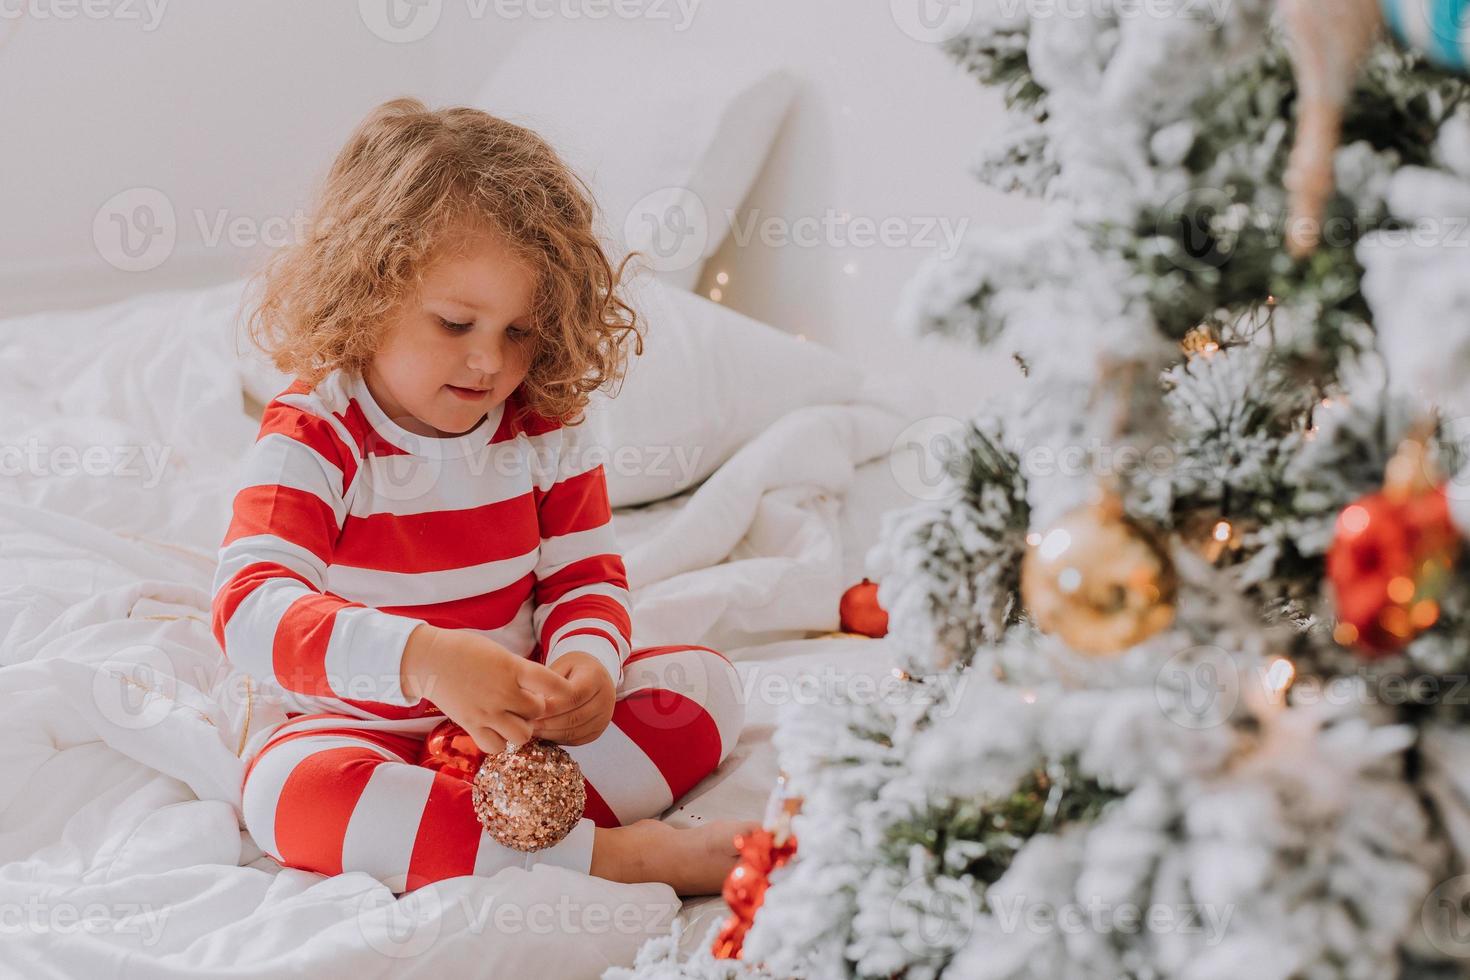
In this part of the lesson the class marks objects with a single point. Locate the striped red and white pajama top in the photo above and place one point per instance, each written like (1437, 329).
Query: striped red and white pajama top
(349, 530)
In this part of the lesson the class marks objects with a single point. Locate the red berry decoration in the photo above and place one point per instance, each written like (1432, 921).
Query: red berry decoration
(859, 611)
(1391, 555)
(745, 888)
(761, 852)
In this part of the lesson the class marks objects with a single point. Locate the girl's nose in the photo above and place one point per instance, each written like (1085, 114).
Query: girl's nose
(484, 361)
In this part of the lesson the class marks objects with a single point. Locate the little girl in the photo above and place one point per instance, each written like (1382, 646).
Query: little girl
(423, 531)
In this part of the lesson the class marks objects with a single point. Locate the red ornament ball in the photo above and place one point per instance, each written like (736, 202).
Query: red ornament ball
(859, 611)
(1390, 557)
(451, 750)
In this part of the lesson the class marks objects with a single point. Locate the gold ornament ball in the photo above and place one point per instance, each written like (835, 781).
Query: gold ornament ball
(530, 798)
(1098, 580)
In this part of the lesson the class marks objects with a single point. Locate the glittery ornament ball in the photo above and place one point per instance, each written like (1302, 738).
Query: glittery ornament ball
(531, 798)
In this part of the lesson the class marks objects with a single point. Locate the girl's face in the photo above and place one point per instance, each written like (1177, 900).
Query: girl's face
(461, 345)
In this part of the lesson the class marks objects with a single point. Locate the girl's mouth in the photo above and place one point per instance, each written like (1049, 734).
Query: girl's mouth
(468, 394)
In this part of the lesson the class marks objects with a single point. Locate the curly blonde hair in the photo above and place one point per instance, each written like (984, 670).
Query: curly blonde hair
(408, 184)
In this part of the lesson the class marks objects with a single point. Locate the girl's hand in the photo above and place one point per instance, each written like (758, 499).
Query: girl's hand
(490, 692)
(583, 713)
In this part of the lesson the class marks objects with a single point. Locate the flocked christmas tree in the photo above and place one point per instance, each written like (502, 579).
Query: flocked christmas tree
(1185, 644)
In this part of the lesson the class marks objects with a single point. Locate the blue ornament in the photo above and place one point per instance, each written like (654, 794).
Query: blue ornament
(1439, 29)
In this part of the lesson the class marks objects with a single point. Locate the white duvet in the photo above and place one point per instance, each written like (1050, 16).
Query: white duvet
(121, 850)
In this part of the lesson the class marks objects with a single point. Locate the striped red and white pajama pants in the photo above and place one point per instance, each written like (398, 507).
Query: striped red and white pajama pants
(328, 794)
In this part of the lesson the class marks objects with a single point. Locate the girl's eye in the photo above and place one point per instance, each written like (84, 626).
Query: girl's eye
(455, 327)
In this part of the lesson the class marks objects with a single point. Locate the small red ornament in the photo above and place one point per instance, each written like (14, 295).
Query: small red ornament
(1391, 556)
(761, 852)
(859, 611)
(451, 750)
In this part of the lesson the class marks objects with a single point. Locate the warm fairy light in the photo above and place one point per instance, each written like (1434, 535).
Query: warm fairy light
(1280, 675)
(1055, 544)
(1424, 614)
(1396, 621)
(1401, 589)
(1355, 519)
(1222, 531)
(1345, 634)
(722, 277)
(1034, 538)
(1209, 348)
(716, 293)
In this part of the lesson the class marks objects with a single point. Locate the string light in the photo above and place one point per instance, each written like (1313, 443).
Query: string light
(722, 277)
(716, 293)
(1222, 536)
(1280, 675)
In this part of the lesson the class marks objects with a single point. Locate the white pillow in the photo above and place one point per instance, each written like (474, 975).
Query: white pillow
(669, 137)
(709, 380)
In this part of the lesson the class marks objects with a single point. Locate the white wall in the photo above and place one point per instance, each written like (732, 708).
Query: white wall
(236, 108)
(223, 106)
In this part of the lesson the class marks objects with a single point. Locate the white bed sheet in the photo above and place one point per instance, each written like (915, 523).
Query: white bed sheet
(121, 851)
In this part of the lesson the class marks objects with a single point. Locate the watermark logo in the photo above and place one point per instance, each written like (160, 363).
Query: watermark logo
(933, 915)
(400, 928)
(1099, 917)
(671, 689)
(35, 915)
(932, 21)
(34, 458)
(917, 458)
(136, 687)
(148, 14)
(670, 226)
(135, 229)
(838, 229)
(400, 21)
(1445, 917)
(406, 21)
(1199, 687)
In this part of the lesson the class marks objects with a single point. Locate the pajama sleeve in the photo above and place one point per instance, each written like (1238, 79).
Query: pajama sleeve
(270, 613)
(581, 593)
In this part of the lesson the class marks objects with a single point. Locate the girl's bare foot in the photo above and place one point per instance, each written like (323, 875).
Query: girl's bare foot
(693, 861)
